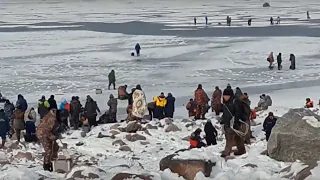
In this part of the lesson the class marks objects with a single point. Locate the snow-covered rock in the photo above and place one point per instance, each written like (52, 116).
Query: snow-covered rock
(123, 176)
(299, 170)
(86, 172)
(172, 128)
(132, 127)
(294, 137)
(135, 137)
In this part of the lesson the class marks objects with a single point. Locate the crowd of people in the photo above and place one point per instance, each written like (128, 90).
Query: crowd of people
(292, 60)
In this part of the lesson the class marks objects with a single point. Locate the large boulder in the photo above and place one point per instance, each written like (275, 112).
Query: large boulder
(135, 137)
(124, 176)
(266, 4)
(299, 170)
(296, 136)
(188, 169)
(86, 172)
(172, 128)
(133, 127)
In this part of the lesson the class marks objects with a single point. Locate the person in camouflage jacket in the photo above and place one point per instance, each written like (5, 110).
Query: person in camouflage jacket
(46, 135)
(201, 98)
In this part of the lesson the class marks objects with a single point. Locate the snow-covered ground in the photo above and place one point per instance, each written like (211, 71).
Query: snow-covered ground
(68, 48)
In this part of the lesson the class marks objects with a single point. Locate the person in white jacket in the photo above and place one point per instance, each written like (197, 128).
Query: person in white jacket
(30, 118)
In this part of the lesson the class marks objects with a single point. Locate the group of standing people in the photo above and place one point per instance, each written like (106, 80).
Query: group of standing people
(162, 106)
(292, 59)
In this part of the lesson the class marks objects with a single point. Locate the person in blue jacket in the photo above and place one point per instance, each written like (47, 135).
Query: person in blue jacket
(21, 103)
(138, 48)
(268, 124)
(4, 127)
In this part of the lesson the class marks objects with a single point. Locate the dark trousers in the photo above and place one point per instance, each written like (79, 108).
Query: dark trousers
(217, 109)
(150, 113)
(159, 112)
(231, 139)
(279, 66)
(92, 120)
(138, 52)
(268, 133)
(114, 85)
(74, 121)
(169, 114)
(211, 140)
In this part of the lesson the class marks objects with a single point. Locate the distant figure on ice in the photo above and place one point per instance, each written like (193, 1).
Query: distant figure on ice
(201, 99)
(293, 62)
(192, 108)
(279, 61)
(112, 79)
(206, 18)
(271, 20)
(211, 133)
(309, 103)
(270, 59)
(249, 22)
(137, 48)
(228, 21)
(278, 20)
(268, 124)
(170, 107)
(262, 104)
(195, 21)
(196, 140)
(308, 16)
(216, 101)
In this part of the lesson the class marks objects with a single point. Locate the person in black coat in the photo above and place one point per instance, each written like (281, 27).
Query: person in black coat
(130, 100)
(211, 133)
(52, 102)
(268, 124)
(169, 108)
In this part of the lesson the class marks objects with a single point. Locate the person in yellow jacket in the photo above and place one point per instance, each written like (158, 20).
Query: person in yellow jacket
(160, 103)
(43, 107)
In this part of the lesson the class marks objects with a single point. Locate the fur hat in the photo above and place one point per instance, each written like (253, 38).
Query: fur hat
(228, 92)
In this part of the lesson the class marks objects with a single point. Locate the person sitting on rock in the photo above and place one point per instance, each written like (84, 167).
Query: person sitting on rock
(122, 92)
(160, 102)
(4, 127)
(113, 105)
(309, 103)
(196, 140)
(211, 133)
(192, 108)
(262, 104)
(268, 124)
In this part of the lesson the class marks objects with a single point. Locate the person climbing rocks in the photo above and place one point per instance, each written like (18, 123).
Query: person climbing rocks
(238, 93)
(30, 118)
(271, 20)
(21, 103)
(43, 107)
(91, 108)
(216, 101)
(112, 79)
(195, 21)
(270, 59)
(211, 133)
(279, 61)
(122, 92)
(113, 105)
(293, 62)
(246, 98)
(8, 110)
(262, 104)
(278, 20)
(170, 107)
(309, 103)
(249, 22)
(137, 48)
(268, 100)
(201, 98)
(206, 19)
(192, 108)
(268, 124)
(47, 137)
(75, 109)
(4, 127)
(160, 102)
(52, 102)
(232, 109)
(196, 140)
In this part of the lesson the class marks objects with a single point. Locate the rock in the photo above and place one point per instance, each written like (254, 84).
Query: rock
(114, 132)
(265, 152)
(25, 155)
(79, 144)
(188, 169)
(147, 117)
(14, 146)
(115, 126)
(133, 127)
(100, 135)
(83, 134)
(266, 4)
(119, 142)
(186, 120)
(135, 137)
(190, 124)
(124, 176)
(172, 128)
(298, 170)
(168, 121)
(4, 162)
(147, 132)
(296, 136)
(250, 165)
(172, 139)
(85, 172)
(149, 126)
(186, 138)
(144, 142)
(125, 148)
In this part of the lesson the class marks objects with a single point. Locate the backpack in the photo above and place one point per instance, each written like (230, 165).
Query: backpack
(247, 113)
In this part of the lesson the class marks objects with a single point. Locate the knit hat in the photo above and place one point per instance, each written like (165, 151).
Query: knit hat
(270, 113)
(228, 92)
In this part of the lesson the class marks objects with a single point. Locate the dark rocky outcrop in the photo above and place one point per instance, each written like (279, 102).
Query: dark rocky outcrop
(266, 4)
(124, 176)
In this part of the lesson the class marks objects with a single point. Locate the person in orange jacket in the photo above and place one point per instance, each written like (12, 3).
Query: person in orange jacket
(309, 103)
(192, 108)
(196, 140)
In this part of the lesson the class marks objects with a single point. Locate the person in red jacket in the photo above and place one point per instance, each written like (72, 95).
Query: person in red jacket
(201, 98)
(216, 101)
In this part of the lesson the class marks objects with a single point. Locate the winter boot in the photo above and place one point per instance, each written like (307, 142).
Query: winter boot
(238, 153)
(46, 167)
(50, 167)
(2, 143)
